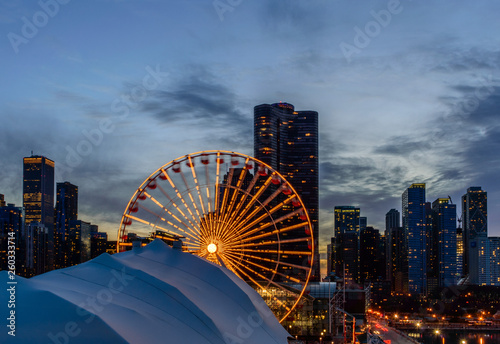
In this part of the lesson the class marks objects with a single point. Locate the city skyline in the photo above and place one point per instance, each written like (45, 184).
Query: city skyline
(407, 106)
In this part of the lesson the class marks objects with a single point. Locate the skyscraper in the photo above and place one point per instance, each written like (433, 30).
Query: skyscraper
(475, 234)
(347, 242)
(79, 242)
(415, 230)
(494, 254)
(287, 140)
(38, 199)
(392, 220)
(346, 219)
(66, 211)
(37, 239)
(11, 227)
(398, 261)
(370, 256)
(444, 234)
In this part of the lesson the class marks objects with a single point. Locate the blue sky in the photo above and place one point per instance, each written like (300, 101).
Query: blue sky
(414, 98)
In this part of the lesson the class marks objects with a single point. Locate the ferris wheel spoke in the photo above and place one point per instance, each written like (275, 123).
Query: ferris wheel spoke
(167, 221)
(235, 193)
(209, 216)
(198, 188)
(274, 271)
(252, 201)
(280, 252)
(155, 226)
(222, 212)
(188, 188)
(191, 244)
(274, 232)
(244, 232)
(269, 260)
(267, 243)
(244, 228)
(230, 265)
(154, 200)
(263, 288)
(181, 198)
(243, 198)
(266, 279)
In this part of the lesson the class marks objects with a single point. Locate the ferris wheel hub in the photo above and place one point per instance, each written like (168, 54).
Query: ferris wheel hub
(212, 248)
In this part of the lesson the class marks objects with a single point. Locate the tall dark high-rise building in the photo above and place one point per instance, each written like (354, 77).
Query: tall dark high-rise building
(415, 230)
(38, 198)
(398, 261)
(287, 140)
(12, 231)
(370, 256)
(444, 245)
(392, 220)
(346, 219)
(347, 242)
(2, 200)
(66, 211)
(494, 254)
(79, 239)
(475, 234)
(37, 239)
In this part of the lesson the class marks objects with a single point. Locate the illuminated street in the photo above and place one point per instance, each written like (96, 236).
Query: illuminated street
(381, 329)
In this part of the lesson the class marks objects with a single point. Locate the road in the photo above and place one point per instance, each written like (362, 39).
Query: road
(386, 333)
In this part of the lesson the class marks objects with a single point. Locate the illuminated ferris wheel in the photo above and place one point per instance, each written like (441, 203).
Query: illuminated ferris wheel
(233, 210)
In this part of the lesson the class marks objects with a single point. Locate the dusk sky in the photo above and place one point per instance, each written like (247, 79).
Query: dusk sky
(407, 92)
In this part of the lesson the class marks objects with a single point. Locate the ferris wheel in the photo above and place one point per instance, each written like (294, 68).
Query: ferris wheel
(233, 210)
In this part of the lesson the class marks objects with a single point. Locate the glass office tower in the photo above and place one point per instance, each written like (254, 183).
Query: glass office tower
(287, 140)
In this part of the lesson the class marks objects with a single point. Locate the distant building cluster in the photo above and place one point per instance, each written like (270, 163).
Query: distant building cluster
(422, 249)
(48, 233)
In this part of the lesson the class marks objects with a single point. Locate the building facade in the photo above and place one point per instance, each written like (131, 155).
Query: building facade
(415, 231)
(371, 259)
(38, 198)
(287, 140)
(494, 254)
(79, 241)
(392, 220)
(475, 235)
(346, 232)
(66, 211)
(12, 227)
(444, 242)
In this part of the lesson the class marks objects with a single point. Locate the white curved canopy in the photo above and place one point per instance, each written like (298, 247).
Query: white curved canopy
(153, 294)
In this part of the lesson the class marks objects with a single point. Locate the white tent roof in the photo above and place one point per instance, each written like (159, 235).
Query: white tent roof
(153, 294)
